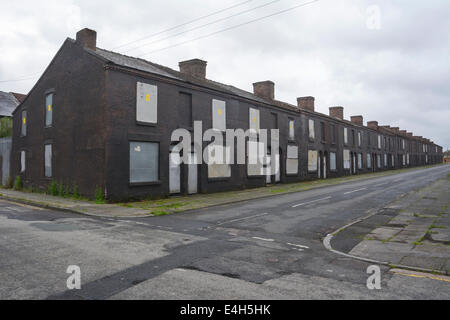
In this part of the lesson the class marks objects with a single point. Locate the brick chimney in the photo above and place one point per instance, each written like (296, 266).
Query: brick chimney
(357, 120)
(193, 68)
(87, 38)
(409, 134)
(373, 125)
(264, 89)
(306, 103)
(337, 112)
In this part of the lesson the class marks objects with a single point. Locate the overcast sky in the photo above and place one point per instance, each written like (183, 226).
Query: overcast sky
(386, 60)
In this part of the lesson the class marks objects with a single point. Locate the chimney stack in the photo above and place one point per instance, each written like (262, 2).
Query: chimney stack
(87, 38)
(306, 103)
(403, 132)
(373, 125)
(195, 68)
(264, 89)
(409, 134)
(337, 112)
(357, 120)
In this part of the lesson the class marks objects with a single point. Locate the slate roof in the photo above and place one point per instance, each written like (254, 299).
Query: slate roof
(147, 66)
(8, 103)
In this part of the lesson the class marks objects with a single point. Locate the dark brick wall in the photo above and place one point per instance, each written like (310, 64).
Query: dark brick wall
(77, 132)
(95, 119)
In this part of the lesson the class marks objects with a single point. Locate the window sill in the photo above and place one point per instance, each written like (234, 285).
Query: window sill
(219, 179)
(147, 124)
(292, 175)
(143, 184)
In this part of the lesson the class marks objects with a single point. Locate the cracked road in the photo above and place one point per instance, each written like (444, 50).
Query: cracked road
(267, 248)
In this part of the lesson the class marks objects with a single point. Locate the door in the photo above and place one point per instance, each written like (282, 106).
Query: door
(192, 175)
(174, 171)
(319, 166)
(277, 168)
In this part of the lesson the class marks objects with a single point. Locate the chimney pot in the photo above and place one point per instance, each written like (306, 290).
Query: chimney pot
(306, 103)
(373, 124)
(87, 38)
(357, 120)
(337, 112)
(264, 89)
(193, 68)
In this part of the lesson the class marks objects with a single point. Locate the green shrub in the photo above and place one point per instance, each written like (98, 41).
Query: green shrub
(53, 188)
(18, 183)
(5, 127)
(75, 192)
(99, 196)
(61, 190)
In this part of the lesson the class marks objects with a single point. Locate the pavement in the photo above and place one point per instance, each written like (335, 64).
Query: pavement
(412, 232)
(268, 248)
(177, 204)
(72, 205)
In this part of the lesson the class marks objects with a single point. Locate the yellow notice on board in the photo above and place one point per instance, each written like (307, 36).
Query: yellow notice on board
(147, 97)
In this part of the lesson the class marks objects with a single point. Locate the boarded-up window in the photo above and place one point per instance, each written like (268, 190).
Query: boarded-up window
(255, 155)
(404, 159)
(312, 160)
(254, 119)
(345, 135)
(147, 103)
(312, 134)
(185, 110)
(218, 159)
(378, 160)
(359, 160)
(333, 133)
(219, 115)
(292, 160)
(24, 120)
(346, 155)
(369, 161)
(393, 160)
(379, 142)
(333, 161)
(48, 160)
(407, 159)
(144, 162)
(385, 160)
(359, 139)
(22, 161)
(49, 110)
(291, 129)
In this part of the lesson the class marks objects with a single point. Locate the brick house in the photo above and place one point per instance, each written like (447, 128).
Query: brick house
(99, 119)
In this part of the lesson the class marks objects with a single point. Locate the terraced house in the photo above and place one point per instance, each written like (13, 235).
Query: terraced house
(99, 119)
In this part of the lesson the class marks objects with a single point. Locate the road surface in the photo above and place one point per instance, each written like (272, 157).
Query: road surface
(267, 248)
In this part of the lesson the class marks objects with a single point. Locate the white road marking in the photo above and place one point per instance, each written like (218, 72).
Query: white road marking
(240, 219)
(263, 239)
(301, 204)
(297, 245)
(355, 190)
(381, 184)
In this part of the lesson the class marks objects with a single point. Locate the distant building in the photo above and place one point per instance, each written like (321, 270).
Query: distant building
(8, 103)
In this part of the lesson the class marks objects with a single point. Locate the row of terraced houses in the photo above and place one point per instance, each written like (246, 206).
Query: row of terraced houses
(99, 119)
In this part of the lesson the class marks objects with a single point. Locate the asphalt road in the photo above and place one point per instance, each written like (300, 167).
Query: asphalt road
(267, 248)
